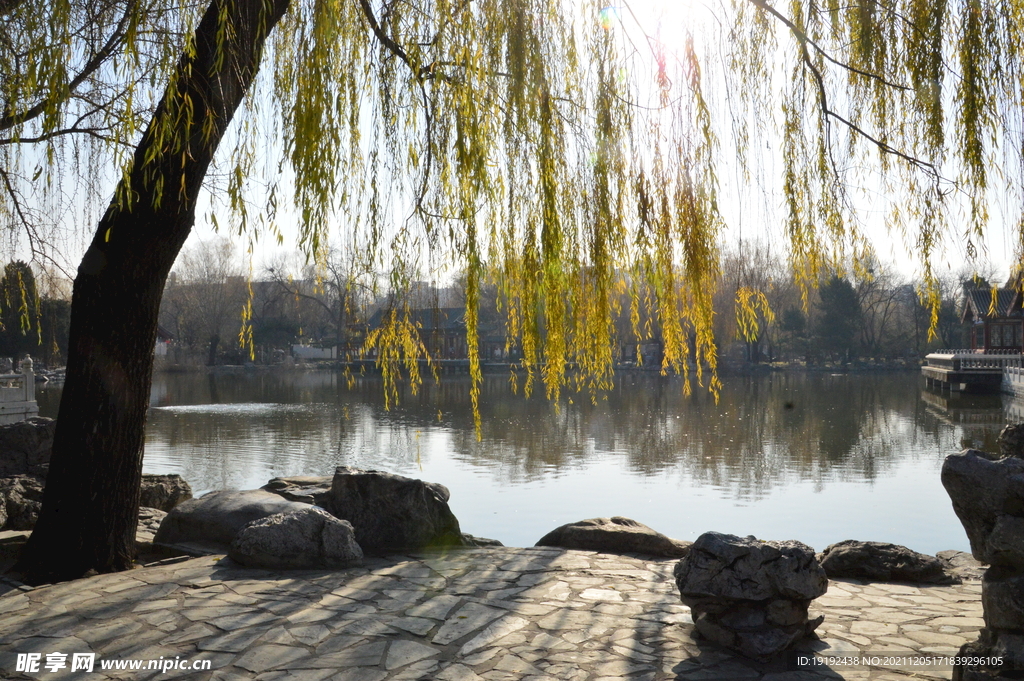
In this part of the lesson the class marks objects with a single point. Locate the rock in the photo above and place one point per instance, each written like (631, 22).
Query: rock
(748, 595)
(21, 498)
(880, 562)
(614, 535)
(1011, 440)
(392, 513)
(479, 542)
(149, 523)
(11, 544)
(210, 523)
(988, 497)
(310, 538)
(1007, 648)
(309, 489)
(150, 519)
(164, 491)
(25, 447)
(1002, 598)
(961, 564)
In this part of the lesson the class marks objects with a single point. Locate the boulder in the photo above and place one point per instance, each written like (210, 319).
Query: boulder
(25, 447)
(961, 564)
(988, 497)
(1011, 440)
(164, 491)
(748, 595)
(479, 542)
(1008, 649)
(393, 513)
(614, 535)
(21, 498)
(309, 489)
(210, 523)
(310, 538)
(880, 562)
(1002, 599)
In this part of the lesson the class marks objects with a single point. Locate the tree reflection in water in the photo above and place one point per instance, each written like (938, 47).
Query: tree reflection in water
(770, 437)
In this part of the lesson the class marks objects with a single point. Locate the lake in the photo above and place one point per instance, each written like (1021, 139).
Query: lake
(812, 456)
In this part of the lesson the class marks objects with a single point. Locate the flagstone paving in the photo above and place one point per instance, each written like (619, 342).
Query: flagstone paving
(494, 614)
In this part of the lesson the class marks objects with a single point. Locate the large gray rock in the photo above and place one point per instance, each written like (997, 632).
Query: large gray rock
(614, 535)
(164, 491)
(961, 564)
(1006, 648)
(1011, 440)
(988, 497)
(25, 446)
(310, 538)
(393, 513)
(211, 522)
(21, 498)
(309, 489)
(880, 562)
(748, 595)
(1002, 598)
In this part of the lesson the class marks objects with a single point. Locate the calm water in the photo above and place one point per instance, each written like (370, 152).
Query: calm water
(807, 456)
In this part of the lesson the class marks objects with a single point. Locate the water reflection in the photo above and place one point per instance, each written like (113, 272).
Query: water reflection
(811, 456)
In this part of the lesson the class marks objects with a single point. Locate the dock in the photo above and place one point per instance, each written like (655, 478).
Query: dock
(970, 371)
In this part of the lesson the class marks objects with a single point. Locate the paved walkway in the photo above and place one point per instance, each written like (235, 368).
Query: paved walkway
(493, 614)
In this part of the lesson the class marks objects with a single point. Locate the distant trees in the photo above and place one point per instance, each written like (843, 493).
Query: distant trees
(19, 311)
(871, 311)
(874, 312)
(33, 322)
(839, 318)
(328, 297)
(203, 299)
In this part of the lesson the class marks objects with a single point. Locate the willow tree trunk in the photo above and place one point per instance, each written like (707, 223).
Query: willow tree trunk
(90, 505)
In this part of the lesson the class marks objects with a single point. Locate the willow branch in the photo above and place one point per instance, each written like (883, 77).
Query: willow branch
(805, 39)
(10, 120)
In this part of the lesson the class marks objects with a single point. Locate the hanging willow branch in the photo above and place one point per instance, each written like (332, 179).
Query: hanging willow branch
(559, 151)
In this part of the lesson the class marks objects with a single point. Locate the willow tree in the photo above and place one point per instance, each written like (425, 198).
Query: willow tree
(552, 145)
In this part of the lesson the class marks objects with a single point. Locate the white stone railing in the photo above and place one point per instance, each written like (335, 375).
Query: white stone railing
(18, 395)
(972, 360)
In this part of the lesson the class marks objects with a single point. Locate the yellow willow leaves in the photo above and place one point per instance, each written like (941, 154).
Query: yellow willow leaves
(753, 313)
(553, 149)
(397, 345)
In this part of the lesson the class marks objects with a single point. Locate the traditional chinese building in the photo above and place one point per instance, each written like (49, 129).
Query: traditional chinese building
(995, 320)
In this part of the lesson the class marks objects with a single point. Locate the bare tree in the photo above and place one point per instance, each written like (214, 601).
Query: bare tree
(204, 300)
(335, 290)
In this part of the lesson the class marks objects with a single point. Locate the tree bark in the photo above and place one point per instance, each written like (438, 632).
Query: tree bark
(90, 504)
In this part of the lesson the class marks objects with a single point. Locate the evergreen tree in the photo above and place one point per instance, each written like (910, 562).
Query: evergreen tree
(838, 323)
(19, 312)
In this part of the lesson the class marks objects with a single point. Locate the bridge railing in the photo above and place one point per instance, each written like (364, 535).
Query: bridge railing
(18, 395)
(973, 360)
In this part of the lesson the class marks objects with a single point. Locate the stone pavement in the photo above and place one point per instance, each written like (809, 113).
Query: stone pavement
(535, 614)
